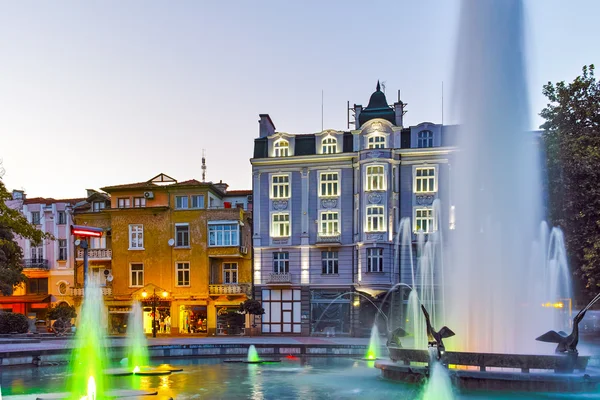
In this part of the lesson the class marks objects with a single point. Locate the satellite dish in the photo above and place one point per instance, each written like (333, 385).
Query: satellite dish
(171, 242)
(109, 278)
(77, 242)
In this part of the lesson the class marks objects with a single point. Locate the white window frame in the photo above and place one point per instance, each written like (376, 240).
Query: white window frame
(280, 187)
(183, 244)
(329, 223)
(425, 214)
(36, 218)
(98, 242)
(184, 199)
(280, 225)
(329, 184)
(98, 206)
(375, 218)
(139, 275)
(217, 234)
(281, 148)
(138, 242)
(62, 218)
(281, 262)
(230, 273)
(139, 202)
(37, 253)
(329, 145)
(62, 249)
(425, 183)
(182, 270)
(375, 259)
(198, 199)
(123, 202)
(376, 142)
(375, 175)
(425, 139)
(329, 262)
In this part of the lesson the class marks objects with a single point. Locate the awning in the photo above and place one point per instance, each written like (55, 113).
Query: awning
(28, 298)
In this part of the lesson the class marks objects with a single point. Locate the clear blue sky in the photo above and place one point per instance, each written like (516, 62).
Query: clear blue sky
(97, 93)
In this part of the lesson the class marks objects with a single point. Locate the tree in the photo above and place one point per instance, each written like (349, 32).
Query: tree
(252, 307)
(572, 141)
(13, 223)
(62, 313)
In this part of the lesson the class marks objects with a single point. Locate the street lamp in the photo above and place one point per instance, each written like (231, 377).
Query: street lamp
(85, 232)
(155, 299)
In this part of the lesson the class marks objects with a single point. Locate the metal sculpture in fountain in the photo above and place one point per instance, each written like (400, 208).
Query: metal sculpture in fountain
(434, 338)
(567, 343)
(394, 337)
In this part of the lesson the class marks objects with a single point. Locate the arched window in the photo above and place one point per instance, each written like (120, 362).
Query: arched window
(329, 145)
(281, 148)
(376, 142)
(425, 139)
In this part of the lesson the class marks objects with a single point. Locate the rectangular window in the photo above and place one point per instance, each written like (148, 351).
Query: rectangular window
(181, 202)
(62, 249)
(230, 273)
(98, 206)
(98, 242)
(123, 202)
(375, 177)
(62, 218)
(223, 234)
(198, 201)
(329, 184)
(281, 262)
(329, 224)
(280, 225)
(425, 180)
(330, 262)
(375, 220)
(37, 286)
(182, 270)
(35, 217)
(37, 253)
(376, 142)
(139, 202)
(136, 237)
(424, 221)
(375, 259)
(136, 275)
(280, 187)
(182, 235)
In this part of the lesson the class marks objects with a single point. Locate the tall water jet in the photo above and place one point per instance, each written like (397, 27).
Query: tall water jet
(253, 354)
(439, 386)
(492, 293)
(136, 342)
(89, 358)
(373, 349)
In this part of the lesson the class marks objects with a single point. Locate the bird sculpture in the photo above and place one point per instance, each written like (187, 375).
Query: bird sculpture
(394, 338)
(566, 343)
(434, 339)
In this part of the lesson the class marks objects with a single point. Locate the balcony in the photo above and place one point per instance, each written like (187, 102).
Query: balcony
(280, 278)
(78, 292)
(96, 254)
(227, 251)
(36, 263)
(329, 238)
(228, 289)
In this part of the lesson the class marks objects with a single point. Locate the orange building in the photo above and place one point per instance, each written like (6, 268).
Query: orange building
(181, 247)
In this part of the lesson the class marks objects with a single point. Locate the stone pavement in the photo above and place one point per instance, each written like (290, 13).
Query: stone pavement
(161, 341)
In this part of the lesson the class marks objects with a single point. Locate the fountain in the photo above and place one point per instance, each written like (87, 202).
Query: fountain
(136, 342)
(252, 355)
(373, 349)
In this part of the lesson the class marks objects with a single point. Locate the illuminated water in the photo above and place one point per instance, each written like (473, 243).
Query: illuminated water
(307, 378)
(136, 342)
(373, 349)
(253, 354)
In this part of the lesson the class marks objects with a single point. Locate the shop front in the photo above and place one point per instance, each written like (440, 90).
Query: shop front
(193, 319)
(230, 321)
(33, 306)
(118, 319)
(330, 312)
(162, 319)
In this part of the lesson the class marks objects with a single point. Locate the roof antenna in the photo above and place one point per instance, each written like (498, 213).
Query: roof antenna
(321, 110)
(203, 165)
(383, 86)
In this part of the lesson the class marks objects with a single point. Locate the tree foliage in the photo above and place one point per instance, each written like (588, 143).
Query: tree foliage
(252, 307)
(12, 224)
(13, 323)
(572, 141)
(62, 311)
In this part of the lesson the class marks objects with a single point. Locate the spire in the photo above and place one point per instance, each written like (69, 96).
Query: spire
(378, 86)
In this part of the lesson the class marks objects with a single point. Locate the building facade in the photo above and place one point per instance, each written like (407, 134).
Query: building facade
(185, 242)
(49, 266)
(327, 213)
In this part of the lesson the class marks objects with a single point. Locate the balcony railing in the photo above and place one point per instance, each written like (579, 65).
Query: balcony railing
(329, 238)
(78, 292)
(233, 288)
(96, 254)
(36, 263)
(280, 278)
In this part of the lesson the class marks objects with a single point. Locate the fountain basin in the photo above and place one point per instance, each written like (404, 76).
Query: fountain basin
(244, 361)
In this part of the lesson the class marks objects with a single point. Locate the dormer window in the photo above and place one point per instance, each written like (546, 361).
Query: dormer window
(376, 142)
(425, 139)
(329, 145)
(281, 148)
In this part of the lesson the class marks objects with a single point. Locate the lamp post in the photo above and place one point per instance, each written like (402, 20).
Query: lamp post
(85, 232)
(155, 299)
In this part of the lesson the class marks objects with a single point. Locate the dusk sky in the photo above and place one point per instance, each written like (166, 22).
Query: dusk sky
(99, 93)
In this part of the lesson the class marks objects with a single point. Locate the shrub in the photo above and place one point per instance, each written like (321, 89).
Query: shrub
(252, 307)
(63, 311)
(13, 323)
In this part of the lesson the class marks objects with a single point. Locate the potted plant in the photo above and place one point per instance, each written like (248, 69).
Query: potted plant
(252, 307)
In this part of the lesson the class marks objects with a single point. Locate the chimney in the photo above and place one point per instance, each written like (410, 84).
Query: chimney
(221, 186)
(90, 192)
(18, 195)
(399, 111)
(357, 111)
(266, 126)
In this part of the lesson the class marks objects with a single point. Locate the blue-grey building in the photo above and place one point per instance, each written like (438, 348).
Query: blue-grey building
(327, 210)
